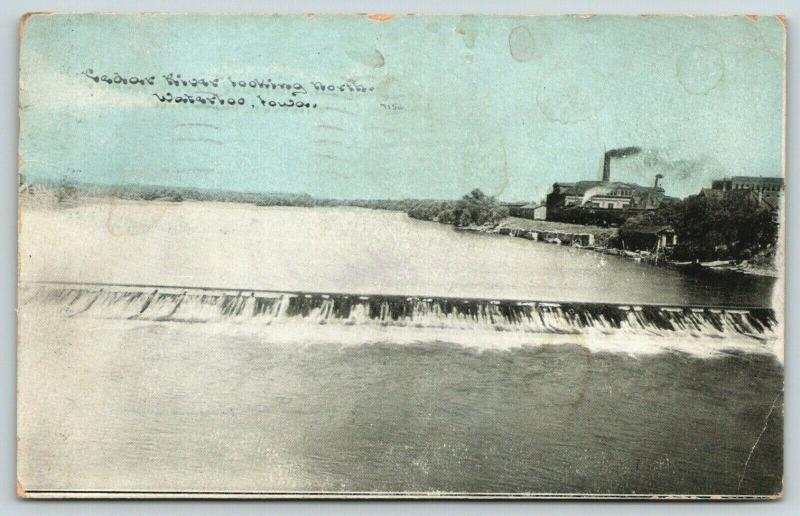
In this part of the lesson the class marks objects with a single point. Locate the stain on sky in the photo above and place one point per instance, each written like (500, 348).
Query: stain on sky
(700, 69)
(466, 29)
(521, 44)
(370, 58)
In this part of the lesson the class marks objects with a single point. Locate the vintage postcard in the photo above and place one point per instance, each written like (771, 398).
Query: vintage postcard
(401, 256)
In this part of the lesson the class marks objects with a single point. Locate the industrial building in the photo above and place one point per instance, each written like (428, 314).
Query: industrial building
(606, 194)
(767, 185)
(766, 191)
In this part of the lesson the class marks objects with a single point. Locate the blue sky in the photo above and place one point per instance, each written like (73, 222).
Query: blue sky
(506, 104)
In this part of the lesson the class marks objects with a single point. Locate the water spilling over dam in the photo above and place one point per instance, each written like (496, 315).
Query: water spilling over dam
(198, 305)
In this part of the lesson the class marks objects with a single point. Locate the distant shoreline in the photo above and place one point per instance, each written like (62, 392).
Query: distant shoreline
(66, 194)
(64, 191)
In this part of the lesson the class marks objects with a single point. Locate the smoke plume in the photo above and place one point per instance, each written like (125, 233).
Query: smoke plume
(616, 153)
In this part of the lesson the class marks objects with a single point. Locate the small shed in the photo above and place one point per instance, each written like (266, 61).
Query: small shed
(648, 238)
(529, 211)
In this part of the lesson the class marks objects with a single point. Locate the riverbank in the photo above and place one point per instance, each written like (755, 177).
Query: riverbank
(600, 239)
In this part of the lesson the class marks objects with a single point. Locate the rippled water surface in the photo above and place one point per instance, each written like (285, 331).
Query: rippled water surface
(166, 404)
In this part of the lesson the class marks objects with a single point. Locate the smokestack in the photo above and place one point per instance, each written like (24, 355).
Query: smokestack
(616, 153)
(658, 176)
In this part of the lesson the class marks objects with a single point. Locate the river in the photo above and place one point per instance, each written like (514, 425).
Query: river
(351, 250)
(215, 405)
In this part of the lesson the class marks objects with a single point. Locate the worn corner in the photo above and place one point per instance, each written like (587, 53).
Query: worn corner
(23, 21)
(779, 495)
(380, 17)
(21, 492)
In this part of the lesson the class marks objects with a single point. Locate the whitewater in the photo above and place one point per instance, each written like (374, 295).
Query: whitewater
(356, 319)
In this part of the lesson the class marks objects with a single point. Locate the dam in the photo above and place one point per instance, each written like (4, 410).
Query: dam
(206, 305)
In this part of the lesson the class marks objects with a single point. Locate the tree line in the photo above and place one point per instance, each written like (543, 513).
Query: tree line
(734, 226)
(474, 209)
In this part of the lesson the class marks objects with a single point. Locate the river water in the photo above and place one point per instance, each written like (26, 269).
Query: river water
(351, 250)
(112, 402)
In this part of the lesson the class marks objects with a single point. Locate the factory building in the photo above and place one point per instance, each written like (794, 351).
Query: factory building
(764, 191)
(767, 188)
(606, 194)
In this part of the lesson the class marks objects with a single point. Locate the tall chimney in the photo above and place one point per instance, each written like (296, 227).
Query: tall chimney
(658, 176)
(616, 153)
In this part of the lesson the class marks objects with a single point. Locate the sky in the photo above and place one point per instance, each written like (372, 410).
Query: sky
(509, 105)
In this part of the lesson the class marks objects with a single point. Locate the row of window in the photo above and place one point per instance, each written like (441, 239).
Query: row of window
(609, 205)
(765, 188)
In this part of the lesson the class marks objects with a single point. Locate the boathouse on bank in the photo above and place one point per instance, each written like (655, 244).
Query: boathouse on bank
(649, 238)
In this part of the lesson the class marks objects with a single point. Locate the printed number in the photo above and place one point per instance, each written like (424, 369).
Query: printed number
(392, 107)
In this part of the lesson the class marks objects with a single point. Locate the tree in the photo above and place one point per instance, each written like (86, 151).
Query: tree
(475, 208)
(732, 226)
